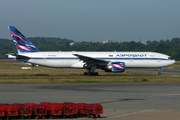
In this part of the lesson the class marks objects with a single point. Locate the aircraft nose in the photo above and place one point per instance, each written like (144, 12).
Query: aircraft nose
(174, 61)
(171, 62)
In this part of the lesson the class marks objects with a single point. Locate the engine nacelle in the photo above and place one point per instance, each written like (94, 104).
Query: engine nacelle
(115, 67)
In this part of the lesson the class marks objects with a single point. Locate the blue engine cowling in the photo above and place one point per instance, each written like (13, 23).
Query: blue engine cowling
(116, 67)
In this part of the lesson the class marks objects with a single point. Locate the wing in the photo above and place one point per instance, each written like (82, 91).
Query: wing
(92, 61)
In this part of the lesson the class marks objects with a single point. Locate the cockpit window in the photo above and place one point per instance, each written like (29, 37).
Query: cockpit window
(170, 58)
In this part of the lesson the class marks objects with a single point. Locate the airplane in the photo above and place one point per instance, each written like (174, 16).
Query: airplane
(107, 61)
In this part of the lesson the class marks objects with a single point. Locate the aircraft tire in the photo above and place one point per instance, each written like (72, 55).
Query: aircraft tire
(91, 73)
(96, 73)
(85, 73)
(159, 73)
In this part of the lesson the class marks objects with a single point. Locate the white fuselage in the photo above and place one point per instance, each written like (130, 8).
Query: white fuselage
(68, 60)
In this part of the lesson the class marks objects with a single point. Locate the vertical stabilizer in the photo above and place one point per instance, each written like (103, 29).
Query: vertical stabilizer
(23, 45)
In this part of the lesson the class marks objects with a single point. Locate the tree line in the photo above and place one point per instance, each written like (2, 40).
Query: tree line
(169, 47)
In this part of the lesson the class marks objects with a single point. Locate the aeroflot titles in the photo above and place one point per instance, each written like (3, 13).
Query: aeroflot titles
(131, 55)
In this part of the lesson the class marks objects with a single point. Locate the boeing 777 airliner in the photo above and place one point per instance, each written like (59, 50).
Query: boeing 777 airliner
(107, 61)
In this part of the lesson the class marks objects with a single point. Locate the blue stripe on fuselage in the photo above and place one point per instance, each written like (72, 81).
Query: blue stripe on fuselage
(73, 58)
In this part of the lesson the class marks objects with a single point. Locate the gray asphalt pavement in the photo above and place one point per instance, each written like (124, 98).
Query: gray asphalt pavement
(111, 96)
(120, 100)
(125, 101)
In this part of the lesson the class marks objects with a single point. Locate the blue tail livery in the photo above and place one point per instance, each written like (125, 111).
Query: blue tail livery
(23, 45)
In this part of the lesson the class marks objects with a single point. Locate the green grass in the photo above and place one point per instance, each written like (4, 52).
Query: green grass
(87, 79)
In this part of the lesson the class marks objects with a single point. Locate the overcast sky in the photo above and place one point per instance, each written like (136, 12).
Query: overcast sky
(92, 20)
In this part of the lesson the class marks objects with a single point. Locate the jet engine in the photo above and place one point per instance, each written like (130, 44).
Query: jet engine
(115, 67)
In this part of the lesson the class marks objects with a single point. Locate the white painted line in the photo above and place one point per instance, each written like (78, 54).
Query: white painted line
(131, 113)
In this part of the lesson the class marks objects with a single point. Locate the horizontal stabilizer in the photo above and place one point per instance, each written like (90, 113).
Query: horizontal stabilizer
(17, 56)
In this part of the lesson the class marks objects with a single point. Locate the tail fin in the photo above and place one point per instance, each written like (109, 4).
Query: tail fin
(23, 45)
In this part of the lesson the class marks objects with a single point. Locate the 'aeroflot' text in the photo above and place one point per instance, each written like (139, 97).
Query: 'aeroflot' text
(131, 55)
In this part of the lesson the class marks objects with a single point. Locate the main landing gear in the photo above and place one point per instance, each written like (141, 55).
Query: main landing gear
(91, 71)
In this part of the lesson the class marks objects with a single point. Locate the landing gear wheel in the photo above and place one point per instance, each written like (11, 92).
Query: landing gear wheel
(85, 73)
(91, 73)
(159, 73)
(95, 73)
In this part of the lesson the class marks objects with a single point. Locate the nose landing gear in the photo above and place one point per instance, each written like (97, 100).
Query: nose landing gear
(160, 70)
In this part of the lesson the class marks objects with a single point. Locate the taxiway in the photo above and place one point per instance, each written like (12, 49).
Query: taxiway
(120, 100)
